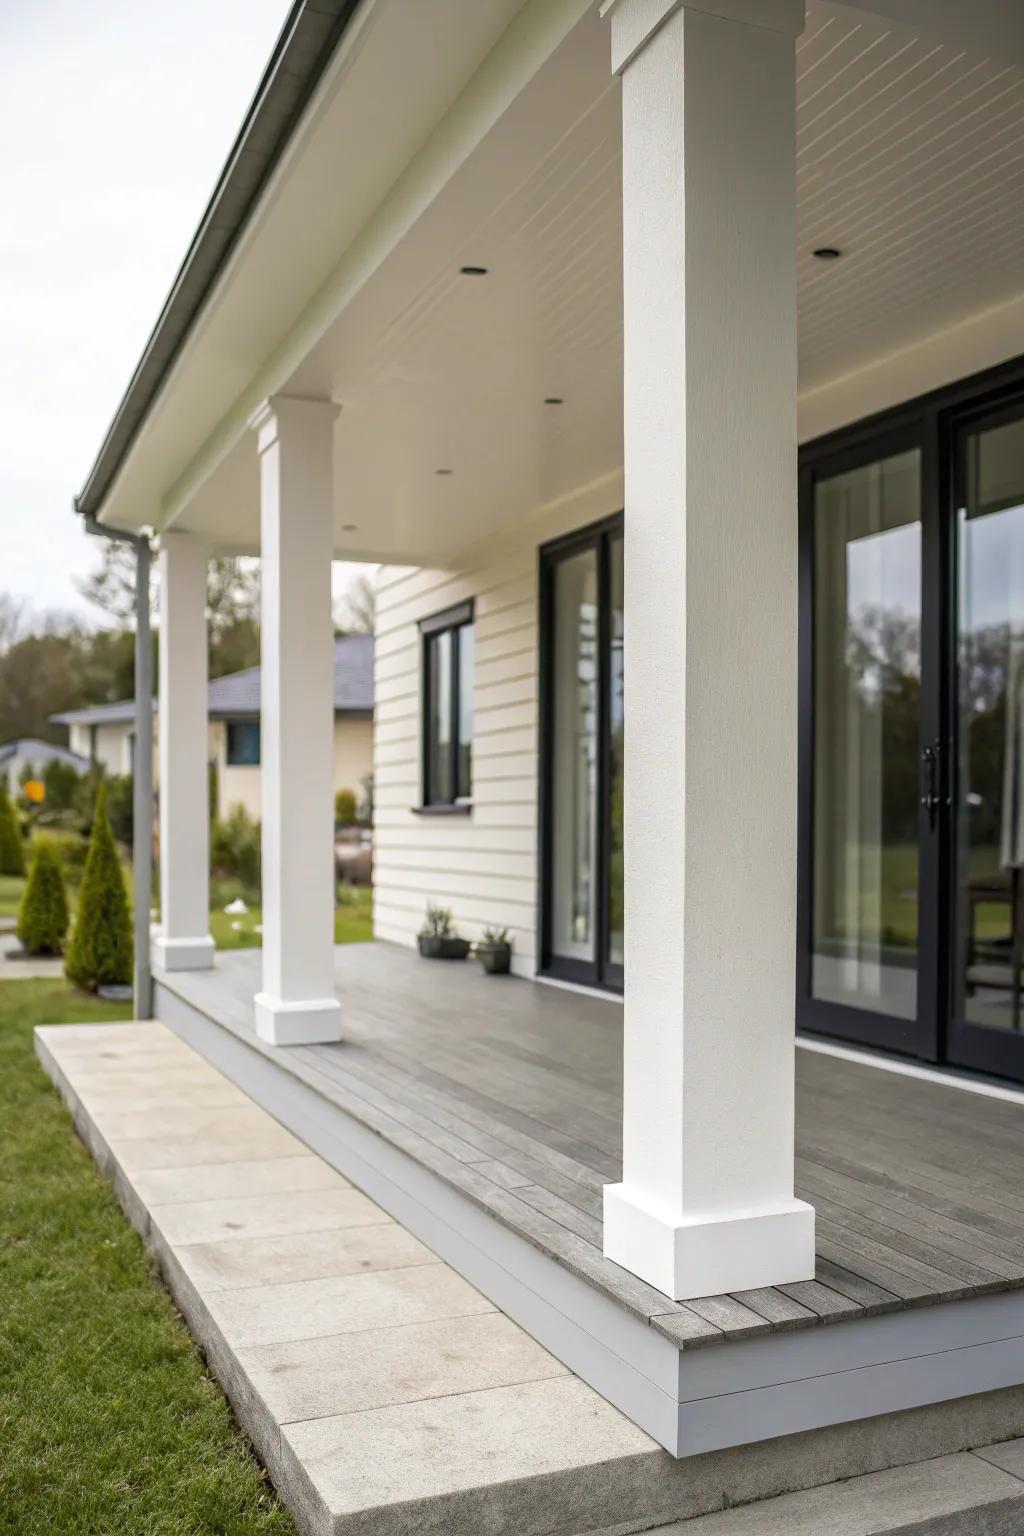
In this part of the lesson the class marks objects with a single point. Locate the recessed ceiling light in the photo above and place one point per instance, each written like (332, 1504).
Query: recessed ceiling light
(350, 527)
(827, 253)
(474, 271)
(553, 400)
(442, 471)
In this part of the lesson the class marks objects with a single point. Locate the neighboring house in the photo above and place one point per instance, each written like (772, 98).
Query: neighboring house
(105, 733)
(31, 753)
(673, 370)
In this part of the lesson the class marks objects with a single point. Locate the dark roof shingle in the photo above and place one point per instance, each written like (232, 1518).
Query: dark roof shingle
(239, 693)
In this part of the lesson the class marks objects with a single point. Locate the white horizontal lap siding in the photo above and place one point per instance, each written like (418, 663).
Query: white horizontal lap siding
(475, 864)
(484, 865)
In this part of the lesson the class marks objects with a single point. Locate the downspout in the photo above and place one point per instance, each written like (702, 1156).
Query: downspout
(142, 774)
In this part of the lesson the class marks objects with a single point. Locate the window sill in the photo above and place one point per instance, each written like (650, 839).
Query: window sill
(442, 810)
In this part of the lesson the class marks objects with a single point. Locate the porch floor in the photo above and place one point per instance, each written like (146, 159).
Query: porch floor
(510, 1091)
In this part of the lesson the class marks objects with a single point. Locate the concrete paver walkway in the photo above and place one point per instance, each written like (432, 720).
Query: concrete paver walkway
(382, 1391)
(35, 968)
(385, 1393)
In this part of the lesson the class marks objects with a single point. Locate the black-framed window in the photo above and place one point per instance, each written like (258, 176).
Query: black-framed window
(582, 690)
(448, 642)
(911, 890)
(243, 743)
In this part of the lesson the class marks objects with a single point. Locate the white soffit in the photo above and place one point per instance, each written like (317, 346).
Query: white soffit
(400, 66)
(909, 160)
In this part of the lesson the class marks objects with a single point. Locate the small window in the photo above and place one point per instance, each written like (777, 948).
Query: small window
(243, 743)
(448, 707)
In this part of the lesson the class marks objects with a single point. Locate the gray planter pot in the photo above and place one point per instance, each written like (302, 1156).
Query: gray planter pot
(433, 947)
(496, 959)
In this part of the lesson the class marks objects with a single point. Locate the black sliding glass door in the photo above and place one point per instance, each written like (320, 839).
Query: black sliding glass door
(987, 1028)
(911, 890)
(582, 679)
(862, 954)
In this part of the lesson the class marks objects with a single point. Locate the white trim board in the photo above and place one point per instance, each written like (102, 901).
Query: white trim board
(944, 1079)
(723, 1395)
(600, 993)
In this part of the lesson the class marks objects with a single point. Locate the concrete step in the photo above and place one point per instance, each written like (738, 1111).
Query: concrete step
(974, 1493)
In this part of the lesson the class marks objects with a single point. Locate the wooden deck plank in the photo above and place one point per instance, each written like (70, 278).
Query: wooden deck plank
(776, 1307)
(868, 1295)
(822, 1301)
(511, 1090)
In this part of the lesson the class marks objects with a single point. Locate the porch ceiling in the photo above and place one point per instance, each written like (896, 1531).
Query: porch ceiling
(908, 160)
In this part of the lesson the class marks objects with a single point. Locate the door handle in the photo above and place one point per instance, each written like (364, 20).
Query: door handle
(931, 761)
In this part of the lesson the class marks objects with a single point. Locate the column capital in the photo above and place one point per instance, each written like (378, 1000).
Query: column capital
(266, 418)
(634, 22)
(179, 539)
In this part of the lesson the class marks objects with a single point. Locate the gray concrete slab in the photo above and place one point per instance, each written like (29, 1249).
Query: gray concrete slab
(154, 1097)
(1008, 1454)
(406, 1456)
(147, 1152)
(243, 1262)
(311, 1309)
(351, 1372)
(32, 968)
(220, 1181)
(228, 1120)
(212, 1221)
(960, 1495)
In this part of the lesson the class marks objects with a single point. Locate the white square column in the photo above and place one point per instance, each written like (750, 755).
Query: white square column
(708, 107)
(297, 1004)
(181, 941)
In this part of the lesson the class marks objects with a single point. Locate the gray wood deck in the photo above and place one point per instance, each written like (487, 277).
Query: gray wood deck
(510, 1090)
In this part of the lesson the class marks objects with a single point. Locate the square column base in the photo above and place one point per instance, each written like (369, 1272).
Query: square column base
(183, 954)
(708, 1256)
(317, 1022)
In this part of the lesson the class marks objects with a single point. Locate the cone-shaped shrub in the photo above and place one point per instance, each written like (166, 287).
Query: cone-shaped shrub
(100, 952)
(12, 855)
(43, 914)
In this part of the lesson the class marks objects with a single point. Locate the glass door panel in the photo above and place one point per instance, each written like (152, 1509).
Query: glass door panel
(867, 610)
(574, 752)
(582, 650)
(989, 798)
(616, 688)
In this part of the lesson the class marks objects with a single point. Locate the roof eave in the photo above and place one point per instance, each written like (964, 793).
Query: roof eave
(303, 50)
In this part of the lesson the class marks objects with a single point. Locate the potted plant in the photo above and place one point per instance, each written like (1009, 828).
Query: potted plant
(437, 938)
(494, 951)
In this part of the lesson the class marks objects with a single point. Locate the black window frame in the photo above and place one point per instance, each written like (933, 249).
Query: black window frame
(448, 621)
(599, 971)
(246, 762)
(935, 422)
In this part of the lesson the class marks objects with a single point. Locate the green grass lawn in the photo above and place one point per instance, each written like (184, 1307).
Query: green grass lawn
(11, 887)
(111, 1424)
(353, 922)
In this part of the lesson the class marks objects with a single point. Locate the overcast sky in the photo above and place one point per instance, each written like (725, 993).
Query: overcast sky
(116, 117)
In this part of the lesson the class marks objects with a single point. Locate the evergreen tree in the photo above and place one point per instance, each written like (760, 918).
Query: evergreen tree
(43, 914)
(100, 952)
(12, 855)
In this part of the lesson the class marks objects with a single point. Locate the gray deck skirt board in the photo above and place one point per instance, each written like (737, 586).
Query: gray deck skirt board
(763, 1370)
(510, 1091)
